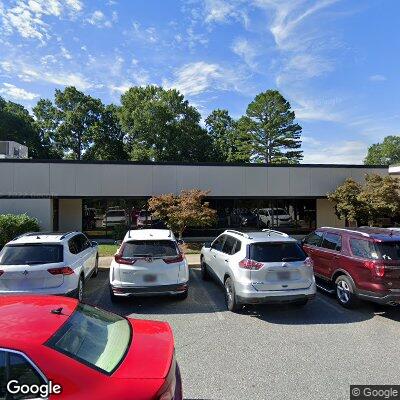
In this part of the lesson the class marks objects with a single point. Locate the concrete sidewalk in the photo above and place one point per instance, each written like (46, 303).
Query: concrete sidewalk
(193, 260)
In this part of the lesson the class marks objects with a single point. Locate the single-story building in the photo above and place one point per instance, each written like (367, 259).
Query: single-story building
(95, 196)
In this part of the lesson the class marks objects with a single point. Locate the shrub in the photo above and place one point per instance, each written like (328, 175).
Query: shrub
(14, 225)
(119, 231)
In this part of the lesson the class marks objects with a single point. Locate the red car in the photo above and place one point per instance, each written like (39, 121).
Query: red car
(361, 263)
(76, 351)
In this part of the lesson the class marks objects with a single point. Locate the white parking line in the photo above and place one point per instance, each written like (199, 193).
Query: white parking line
(219, 314)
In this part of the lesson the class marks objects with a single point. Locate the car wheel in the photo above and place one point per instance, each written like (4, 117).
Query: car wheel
(183, 295)
(300, 303)
(345, 292)
(205, 275)
(230, 296)
(96, 267)
(79, 289)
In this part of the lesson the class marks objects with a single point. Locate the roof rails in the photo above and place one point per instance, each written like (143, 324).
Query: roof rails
(269, 231)
(347, 230)
(66, 234)
(239, 233)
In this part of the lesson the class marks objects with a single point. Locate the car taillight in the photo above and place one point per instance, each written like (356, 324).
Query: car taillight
(250, 264)
(176, 259)
(61, 271)
(121, 260)
(308, 262)
(376, 267)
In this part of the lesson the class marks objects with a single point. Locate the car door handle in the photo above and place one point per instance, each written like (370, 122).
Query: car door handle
(226, 260)
(214, 256)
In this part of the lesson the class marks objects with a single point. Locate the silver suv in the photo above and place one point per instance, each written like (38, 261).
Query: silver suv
(259, 267)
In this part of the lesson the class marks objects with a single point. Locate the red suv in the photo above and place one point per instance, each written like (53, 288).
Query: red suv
(360, 263)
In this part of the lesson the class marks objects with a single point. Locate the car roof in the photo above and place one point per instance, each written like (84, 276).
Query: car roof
(42, 237)
(149, 234)
(266, 235)
(385, 234)
(27, 320)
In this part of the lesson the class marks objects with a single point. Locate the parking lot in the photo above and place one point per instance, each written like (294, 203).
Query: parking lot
(269, 352)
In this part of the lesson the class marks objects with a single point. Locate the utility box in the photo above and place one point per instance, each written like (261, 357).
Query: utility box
(13, 150)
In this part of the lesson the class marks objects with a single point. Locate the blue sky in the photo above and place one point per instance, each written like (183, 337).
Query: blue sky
(337, 62)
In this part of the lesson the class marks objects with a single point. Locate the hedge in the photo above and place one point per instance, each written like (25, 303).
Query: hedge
(14, 225)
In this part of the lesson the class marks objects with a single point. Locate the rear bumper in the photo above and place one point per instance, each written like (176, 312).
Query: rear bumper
(391, 298)
(251, 296)
(125, 291)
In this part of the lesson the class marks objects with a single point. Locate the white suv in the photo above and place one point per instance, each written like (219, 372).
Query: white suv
(259, 267)
(149, 262)
(48, 263)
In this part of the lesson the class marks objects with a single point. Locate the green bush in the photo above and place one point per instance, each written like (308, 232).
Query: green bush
(119, 231)
(13, 225)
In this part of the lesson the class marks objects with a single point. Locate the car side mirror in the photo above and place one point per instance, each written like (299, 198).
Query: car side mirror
(94, 244)
(118, 242)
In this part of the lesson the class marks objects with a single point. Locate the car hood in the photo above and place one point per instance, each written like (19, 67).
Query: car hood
(151, 351)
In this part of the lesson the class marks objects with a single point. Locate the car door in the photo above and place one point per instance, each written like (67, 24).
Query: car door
(86, 254)
(311, 245)
(329, 254)
(216, 255)
(225, 256)
(75, 248)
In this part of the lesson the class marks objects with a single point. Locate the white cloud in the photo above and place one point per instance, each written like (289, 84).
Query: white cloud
(317, 109)
(65, 53)
(246, 50)
(147, 35)
(199, 77)
(217, 11)
(377, 78)
(13, 92)
(26, 17)
(97, 18)
(343, 152)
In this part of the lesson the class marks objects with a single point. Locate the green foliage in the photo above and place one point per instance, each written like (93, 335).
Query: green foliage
(378, 198)
(275, 136)
(162, 126)
(385, 153)
(230, 142)
(17, 125)
(119, 232)
(13, 225)
(183, 211)
(80, 126)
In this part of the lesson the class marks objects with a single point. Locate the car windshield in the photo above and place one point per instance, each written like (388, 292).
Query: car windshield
(31, 254)
(144, 214)
(94, 337)
(115, 213)
(154, 248)
(276, 252)
(388, 250)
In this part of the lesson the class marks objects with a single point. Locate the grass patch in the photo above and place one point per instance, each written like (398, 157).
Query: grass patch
(107, 250)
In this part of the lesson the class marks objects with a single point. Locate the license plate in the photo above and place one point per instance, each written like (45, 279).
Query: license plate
(150, 278)
(284, 275)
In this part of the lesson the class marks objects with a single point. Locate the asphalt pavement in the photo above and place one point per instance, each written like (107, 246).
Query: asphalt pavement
(269, 352)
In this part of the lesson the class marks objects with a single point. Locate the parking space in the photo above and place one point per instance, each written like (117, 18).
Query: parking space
(272, 352)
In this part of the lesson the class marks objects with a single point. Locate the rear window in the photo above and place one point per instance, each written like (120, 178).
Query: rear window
(276, 252)
(278, 211)
(388, 250)
(115, 213)
(31, 254)
(97, 338)
(154, 248)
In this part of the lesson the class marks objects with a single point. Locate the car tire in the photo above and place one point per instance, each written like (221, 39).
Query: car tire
(80, 289)
(205, 275)
(345, 292)
(96, 267)
(300, 303)
(183, 295)
(230, 296)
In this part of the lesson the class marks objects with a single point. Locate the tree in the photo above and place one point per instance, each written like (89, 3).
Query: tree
(275, 135)
(183, 211)
(162, 126)
(347, 203)
(71, 122)
(378, 198)
(16, 124)
(385, 153)
(381, 195)
(108, 137)
(228, 138)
